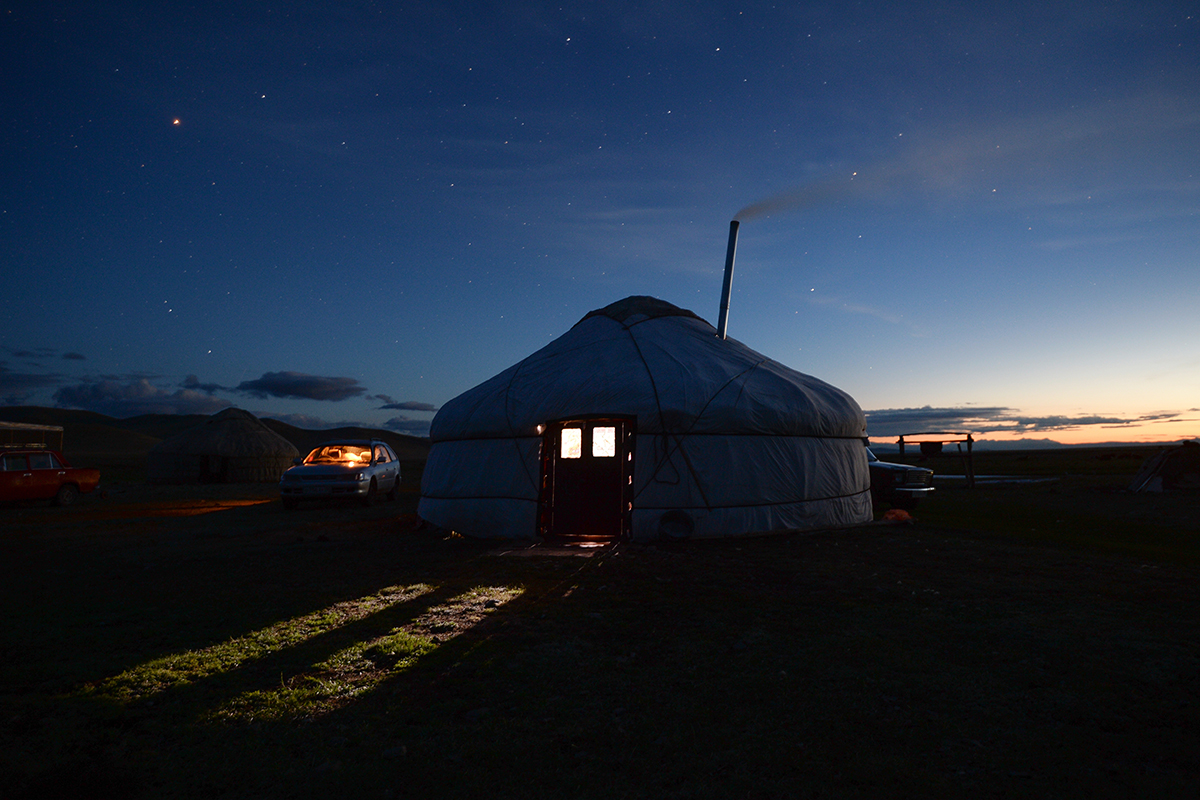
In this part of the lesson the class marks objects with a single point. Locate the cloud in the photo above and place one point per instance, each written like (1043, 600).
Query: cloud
(895, 421)
(1156, 419)
(299, 384)
(33, 357)
(410, 405)
(25, 381)
(1128, 144)
(311, 423)
(192, 382)
(412, 427)
(41, 352)
(17, 387)
(993, 419)
(870, 311)
(118, 399)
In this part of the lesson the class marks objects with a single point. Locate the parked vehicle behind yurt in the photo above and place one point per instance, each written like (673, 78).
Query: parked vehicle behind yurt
(231, 446)
(1170, 469)
(642, 423)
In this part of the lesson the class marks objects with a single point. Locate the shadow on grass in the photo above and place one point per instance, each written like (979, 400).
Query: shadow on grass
(211, 627)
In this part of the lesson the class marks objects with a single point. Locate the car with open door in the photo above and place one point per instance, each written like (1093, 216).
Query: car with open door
(362, 469)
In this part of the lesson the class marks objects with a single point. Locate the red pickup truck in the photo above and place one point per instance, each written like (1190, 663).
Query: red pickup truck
(36, 474)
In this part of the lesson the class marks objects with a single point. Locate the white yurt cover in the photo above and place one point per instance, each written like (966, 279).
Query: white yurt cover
(737, 443)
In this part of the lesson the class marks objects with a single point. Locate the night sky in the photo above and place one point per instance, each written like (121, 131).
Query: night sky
(973, 216)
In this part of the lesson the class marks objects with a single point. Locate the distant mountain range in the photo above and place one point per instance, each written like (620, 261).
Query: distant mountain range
(87, 434)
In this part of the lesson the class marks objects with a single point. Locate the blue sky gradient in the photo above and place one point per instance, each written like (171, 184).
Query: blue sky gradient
(979, 215)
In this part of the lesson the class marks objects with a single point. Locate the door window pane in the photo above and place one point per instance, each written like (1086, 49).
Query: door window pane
(572, 443)
(604, 442)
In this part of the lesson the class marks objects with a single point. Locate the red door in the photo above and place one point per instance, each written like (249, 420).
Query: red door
(589, 478)
(45, 475)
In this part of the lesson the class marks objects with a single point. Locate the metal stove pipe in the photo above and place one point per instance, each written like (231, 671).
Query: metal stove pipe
(727, 288)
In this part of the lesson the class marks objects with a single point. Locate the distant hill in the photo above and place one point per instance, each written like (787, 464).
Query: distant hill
(90, 438)
(37, 415)
(89, 435)
(161, 426)
(408, 448)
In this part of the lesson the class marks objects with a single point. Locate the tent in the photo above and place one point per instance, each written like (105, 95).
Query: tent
(642, 423)
(1175, 468)
(231, 446)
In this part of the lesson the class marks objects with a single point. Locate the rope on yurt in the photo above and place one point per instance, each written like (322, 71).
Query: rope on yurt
(663, 442)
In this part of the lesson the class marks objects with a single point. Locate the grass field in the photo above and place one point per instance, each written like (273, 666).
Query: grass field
(1029, 641)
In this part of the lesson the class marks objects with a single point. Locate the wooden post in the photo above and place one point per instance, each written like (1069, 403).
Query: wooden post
(970, 464)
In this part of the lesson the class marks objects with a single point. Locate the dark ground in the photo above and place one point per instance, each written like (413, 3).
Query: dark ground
(1031, 641)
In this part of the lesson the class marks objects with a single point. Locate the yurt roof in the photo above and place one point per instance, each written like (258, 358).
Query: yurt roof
(665, 365)
(640, 307)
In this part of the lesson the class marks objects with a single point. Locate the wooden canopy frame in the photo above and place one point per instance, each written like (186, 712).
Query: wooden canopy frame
(22, 434)
(942, 438)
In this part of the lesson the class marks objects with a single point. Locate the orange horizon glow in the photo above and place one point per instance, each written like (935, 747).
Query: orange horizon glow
(1167, 432)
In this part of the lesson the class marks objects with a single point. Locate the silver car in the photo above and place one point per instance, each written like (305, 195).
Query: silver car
(349, 468)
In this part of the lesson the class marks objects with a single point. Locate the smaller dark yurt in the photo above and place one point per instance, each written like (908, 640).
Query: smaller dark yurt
(231, 446)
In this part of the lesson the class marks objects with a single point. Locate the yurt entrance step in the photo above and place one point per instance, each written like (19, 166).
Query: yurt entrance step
(587, 478)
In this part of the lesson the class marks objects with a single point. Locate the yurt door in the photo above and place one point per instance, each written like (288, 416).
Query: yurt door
(588, 478)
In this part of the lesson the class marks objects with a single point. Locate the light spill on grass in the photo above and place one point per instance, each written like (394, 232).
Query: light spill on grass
(195, 508)
(321, 686)
(176, 669)
(360, 667)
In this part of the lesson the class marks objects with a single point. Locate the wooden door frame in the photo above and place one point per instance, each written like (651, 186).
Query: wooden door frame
(551, 433)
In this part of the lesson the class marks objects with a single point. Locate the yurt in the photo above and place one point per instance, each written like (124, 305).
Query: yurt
(231, 446)
(642, 423)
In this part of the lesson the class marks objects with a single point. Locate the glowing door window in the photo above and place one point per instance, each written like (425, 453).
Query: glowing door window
(572, 443)
(604, 442)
